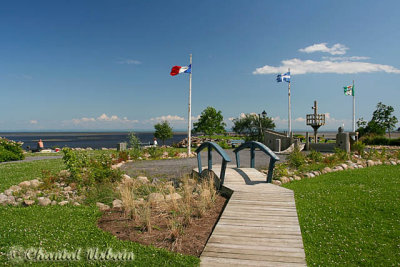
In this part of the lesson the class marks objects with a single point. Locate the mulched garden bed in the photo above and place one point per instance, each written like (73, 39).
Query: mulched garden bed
(191, 242)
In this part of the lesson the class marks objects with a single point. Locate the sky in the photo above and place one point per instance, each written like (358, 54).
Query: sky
(104, 65)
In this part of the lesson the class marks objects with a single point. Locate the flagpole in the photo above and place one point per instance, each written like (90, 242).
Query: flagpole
(190, 110)
(354, 109)
(289, 110)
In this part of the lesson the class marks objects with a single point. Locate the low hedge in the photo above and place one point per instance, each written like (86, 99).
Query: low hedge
(380, 140)
(10, 150)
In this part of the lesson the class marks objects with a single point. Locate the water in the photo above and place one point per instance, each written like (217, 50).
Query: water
(84, 139)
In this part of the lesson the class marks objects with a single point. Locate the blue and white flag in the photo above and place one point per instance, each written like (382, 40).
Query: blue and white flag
(283, 77)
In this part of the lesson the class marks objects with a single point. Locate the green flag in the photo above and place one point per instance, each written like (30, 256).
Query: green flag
(349, 90)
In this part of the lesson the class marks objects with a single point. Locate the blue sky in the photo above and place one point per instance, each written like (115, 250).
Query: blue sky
(104, 65)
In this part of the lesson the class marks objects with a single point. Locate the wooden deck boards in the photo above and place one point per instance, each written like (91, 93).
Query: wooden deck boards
(259, 226)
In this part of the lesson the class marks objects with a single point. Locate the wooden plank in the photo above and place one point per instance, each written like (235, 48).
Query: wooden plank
(259, 226)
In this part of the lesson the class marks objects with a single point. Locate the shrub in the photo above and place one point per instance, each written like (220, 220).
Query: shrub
(358, 147)
(10, 150)
(341, 154)
(315, 156)
(154, 152)
(296, 158)
(223, 144)
(88, 171)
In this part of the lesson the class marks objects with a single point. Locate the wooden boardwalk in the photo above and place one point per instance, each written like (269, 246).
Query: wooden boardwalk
(259, 226)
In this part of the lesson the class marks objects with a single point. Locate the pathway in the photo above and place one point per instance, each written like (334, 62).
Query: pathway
(259, 226)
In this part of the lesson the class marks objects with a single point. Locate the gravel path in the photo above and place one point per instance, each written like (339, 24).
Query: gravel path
(28, 159)
(172, 168)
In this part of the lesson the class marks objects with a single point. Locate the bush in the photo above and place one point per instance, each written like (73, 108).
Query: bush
(341, 154)
(296, 158)
(10, 150)
(315, 156)
(223, 144)
(87, 171)
(154, 152)
(358, 147)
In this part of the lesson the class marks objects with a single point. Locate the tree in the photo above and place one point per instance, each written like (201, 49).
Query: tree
(384, 118)
(211, 122)
(252, 125)
(382, 121)
(163, 131)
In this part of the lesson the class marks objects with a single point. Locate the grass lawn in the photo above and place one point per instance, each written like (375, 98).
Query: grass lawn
(351, 218)
(55, 228)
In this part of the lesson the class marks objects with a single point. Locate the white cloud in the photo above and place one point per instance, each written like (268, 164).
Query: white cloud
(336, 49)
(33, 122)
(195, 118)
(300, 119)
(129, 61)
(298, 66)
(168, 118)
(352, 58)
(102, 118)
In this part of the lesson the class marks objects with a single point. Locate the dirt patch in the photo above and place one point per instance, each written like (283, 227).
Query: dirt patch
(191, 242)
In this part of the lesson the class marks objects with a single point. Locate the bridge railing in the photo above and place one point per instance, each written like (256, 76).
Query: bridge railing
(225, 158)
(253, 145)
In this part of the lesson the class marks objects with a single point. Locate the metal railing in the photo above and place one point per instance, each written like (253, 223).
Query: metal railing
(225, 158)
(253, 145)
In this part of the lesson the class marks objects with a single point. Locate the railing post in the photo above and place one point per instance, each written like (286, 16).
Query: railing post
(270, 170)
(199, 163)
(222, 175)
(252, 156)
(237, 159)
(209, 157)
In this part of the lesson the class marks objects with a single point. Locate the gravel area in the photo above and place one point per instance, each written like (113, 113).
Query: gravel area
(172, 168)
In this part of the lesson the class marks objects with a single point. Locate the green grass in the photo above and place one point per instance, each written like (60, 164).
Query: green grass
(55, 228)
(351, 218)
(15, 172)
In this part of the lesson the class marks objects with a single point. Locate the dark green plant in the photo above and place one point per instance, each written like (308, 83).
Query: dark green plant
(341, 154)
(223, 144)
(252, 126)
(296, 158)
(10, 150)
(163, 131)
(315, 156)
(359, 147)
(210, 122)
(154, 152)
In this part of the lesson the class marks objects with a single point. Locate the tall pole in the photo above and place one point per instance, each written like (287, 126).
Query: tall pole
(289, 111)
(354, 109)
(190, 110)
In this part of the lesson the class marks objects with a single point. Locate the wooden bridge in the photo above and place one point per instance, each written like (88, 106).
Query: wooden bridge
(259, 226)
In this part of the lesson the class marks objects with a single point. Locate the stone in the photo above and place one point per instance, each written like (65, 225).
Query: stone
(339, 168)
(276, 182)
(64, 174)
(11, 200)
(3, 198)
(143, 179)
(174, 196)
(156, 197)
(344, 166)
(15, 188)
(76, 204)
(291, 179)
(370, 163)
(44, 201)
(25, 184)
(297, 178)
(8, 192)
(67, 188)
(54, 203)
(35, 183)
(73, 186)
(29, 202)
(311, 175)
(284, 180)
(117, 203)
(316, 173)
(126, 179)
(63, 203)
(326, 170)
(102, 206)
(393, 162)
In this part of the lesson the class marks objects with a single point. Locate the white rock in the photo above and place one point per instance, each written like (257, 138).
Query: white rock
(102, 207)
(25, 184)
(311, 175)
(8, 192)
(276, 182)
(62, 203)
(76, 204)
(143, 179)
(117, 203)
(393, 162)
(156, 197)
(3, 198)
(370, 163)
(126, 179)
(35, 183)
(54, 203)
(174, 196)
(67, 188)
(29, 202)
(297, 178)
(326, 170)
(44, 201)
(284, 180)
(344, 166)
(15, 188)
